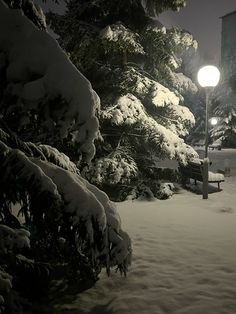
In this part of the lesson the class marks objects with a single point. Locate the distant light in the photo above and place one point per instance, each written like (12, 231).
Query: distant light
(208, 76)
(213, 121)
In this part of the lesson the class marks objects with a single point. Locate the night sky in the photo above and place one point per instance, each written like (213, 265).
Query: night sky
(200, 17)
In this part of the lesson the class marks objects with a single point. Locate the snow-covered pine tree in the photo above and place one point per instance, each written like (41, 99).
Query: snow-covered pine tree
(132, 63)
(66, 226)
(53, 223)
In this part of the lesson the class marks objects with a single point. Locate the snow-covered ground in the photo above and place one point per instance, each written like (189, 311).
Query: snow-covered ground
(184, 256)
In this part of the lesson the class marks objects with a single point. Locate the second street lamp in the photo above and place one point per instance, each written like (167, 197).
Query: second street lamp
(213, 121)
(208, 77)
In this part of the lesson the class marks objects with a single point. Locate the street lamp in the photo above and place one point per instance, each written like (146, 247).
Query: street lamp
(213, 121)
(208, 77)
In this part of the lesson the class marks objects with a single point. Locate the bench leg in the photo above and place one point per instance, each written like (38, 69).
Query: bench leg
(195, 181)
(218, 186)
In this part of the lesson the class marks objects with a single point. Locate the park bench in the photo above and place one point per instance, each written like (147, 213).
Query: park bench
(194, 170)
(215, 145)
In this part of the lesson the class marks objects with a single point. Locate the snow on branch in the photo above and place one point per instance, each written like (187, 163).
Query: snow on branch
(54, 193)
(53, 155)
(45, 152)
(23, 175)
(122, 37)
(183, 38)
(5, 287)
(12, 239)
(159, 101)
(38, 71)
(130, 111)
(111, 170)
(87, 204)
(82, 204)
(182, 83)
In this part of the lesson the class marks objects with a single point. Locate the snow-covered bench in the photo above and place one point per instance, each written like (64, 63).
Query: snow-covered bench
(194, 169)
(215, 145)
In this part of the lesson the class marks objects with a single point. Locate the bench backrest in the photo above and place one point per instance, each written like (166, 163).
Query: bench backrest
(192, 170)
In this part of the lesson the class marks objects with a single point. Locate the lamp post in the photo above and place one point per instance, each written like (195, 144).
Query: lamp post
(208, 77)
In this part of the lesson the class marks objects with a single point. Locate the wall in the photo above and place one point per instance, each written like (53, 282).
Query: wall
(228, 44)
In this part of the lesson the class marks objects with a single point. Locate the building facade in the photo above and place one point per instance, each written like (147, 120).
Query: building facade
(228, 44)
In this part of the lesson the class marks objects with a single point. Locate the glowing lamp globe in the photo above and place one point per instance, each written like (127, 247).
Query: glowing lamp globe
(214, 121)
(208, 76)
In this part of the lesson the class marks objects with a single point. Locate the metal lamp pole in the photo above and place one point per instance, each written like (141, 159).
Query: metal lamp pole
(205, 160)
(208, 77)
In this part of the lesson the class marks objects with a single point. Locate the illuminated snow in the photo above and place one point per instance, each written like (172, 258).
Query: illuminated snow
(184, 256)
